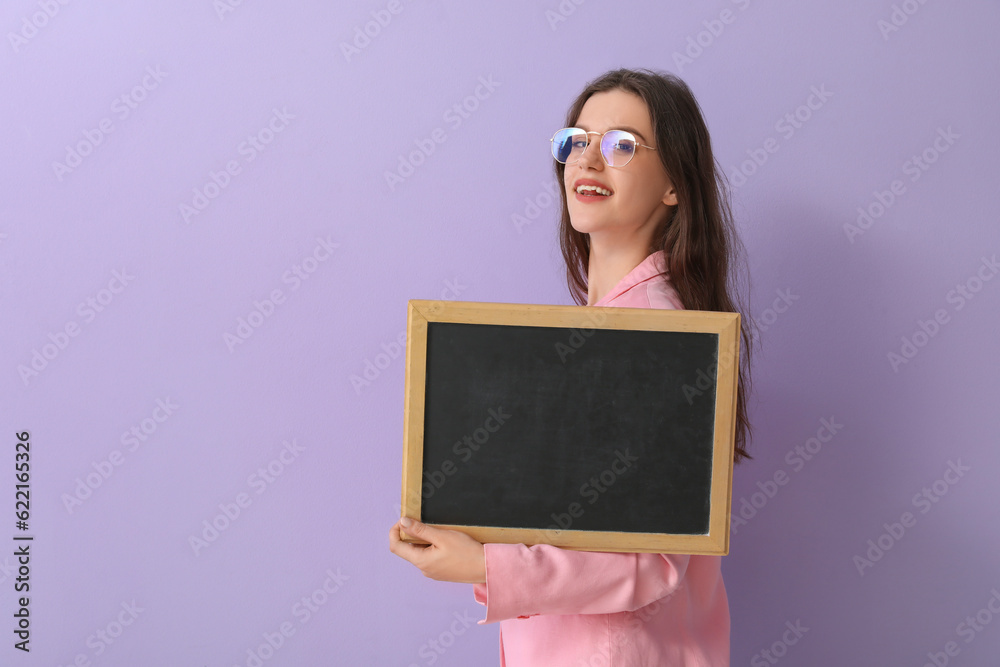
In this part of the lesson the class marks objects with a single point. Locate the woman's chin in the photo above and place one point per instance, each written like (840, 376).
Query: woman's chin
(586, 226)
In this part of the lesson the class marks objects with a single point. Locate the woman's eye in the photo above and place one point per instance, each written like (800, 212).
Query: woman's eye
(624, 148)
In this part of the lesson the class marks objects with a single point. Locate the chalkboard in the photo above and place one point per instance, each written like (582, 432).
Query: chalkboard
(606, 429)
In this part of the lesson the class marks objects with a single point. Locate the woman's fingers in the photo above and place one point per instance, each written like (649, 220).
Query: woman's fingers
(450, 556)
(422, 530)
(410, 552)
(415, 553)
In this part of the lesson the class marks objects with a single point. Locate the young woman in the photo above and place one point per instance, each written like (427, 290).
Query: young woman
(645, 224)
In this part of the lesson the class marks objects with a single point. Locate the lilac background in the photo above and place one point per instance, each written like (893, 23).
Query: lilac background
(456, 228)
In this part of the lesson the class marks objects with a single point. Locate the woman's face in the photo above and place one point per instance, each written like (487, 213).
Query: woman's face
(641, 192)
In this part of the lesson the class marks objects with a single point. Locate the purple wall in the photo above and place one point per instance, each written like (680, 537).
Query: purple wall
(173, 169)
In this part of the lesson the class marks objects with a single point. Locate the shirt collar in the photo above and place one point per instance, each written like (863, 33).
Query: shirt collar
(649, 268)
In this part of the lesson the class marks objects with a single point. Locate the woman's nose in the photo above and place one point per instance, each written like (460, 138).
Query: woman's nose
(592, 155)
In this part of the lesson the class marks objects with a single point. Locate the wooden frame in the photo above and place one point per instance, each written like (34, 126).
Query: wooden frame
(726, 325)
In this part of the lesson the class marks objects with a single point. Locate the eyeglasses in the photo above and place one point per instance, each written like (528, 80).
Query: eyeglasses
(617, 146)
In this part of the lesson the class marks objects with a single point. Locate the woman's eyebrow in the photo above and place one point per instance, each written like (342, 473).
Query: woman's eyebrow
(620, 127)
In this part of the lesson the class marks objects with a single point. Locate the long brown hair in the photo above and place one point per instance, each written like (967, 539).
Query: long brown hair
(698, 237)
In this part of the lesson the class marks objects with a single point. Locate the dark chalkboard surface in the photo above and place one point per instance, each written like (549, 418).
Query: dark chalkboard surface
(606, 429)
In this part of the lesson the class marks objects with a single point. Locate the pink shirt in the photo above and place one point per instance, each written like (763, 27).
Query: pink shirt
(559, 607)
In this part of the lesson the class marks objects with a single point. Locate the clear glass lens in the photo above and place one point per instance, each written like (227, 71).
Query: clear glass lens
(618, 147)
(568, 144)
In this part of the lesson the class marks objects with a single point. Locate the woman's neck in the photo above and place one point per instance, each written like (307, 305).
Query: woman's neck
(608, 265)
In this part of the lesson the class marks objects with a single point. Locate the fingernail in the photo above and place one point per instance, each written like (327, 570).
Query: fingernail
(405, 522)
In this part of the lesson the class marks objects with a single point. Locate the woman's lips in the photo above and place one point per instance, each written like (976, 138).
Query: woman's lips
(590, 198)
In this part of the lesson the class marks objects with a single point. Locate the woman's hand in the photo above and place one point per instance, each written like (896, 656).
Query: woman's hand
(451, 555)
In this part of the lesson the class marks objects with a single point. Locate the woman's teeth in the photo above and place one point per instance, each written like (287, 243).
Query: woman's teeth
(591, 190)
